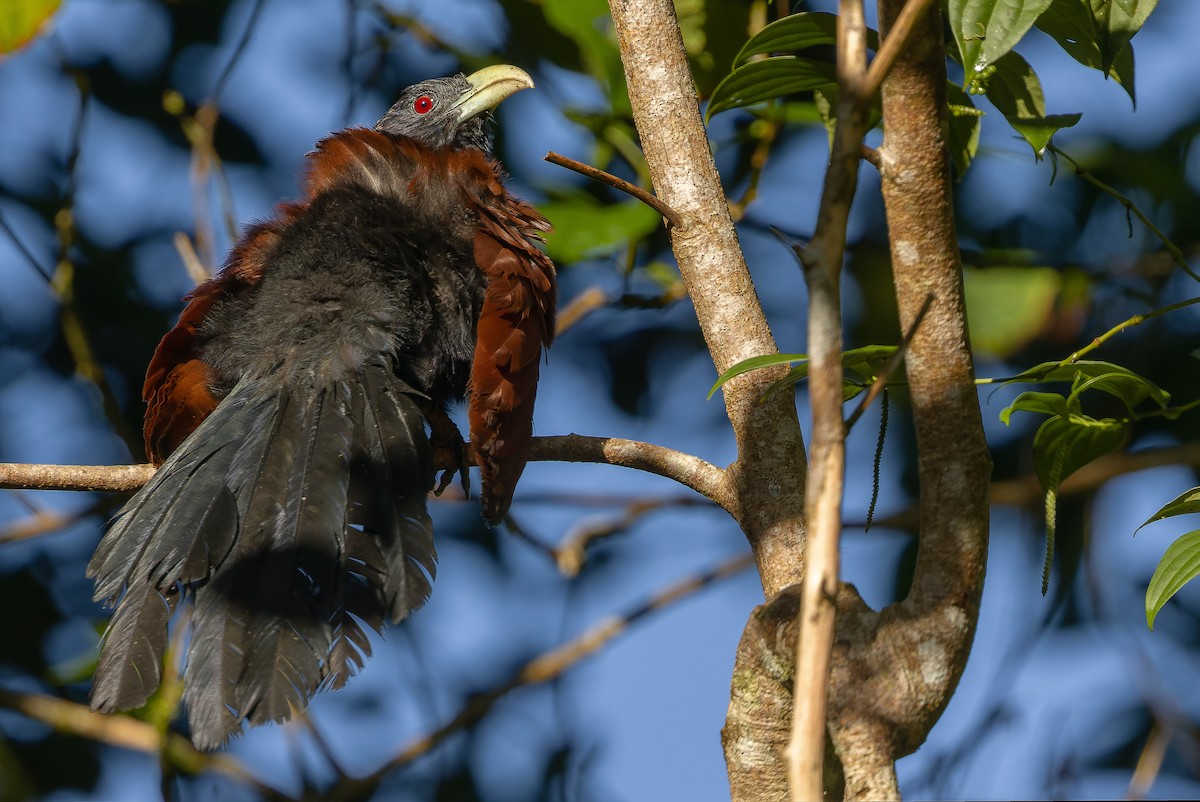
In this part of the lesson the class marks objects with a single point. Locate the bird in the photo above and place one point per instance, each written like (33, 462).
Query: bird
(287, 411)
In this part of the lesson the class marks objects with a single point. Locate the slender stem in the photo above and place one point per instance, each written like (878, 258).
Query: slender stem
(822, 261)
(1173, 249)
(891, 46)
(1136, 320)
(611, 180)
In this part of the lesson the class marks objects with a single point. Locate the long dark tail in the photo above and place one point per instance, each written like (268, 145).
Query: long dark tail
(290, 515)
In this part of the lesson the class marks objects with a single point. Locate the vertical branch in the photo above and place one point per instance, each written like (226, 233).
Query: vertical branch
(770, 460)
(953, 460)
(896, 671)
(822, 270)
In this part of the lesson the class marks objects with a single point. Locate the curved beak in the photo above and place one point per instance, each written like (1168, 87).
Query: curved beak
(489, 86)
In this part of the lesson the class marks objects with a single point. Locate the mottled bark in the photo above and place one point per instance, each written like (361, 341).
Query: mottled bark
(770, 464)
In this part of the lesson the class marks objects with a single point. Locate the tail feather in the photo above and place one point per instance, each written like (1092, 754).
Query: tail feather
(295, 517)
(163, 537)
(400, 473)
(257, 478)
(291, 641)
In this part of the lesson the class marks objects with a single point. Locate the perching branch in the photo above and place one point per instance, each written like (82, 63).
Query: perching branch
(705, 478)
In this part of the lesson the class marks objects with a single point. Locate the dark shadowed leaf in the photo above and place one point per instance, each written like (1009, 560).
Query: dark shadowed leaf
(1116, 380)
(1073, 26)
(1015, 90)
(965, 122)
(1116, 23)
(1063, 445)
(797, 32)
(770, 78)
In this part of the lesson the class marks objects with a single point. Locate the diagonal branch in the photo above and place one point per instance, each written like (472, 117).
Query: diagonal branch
(770, 457)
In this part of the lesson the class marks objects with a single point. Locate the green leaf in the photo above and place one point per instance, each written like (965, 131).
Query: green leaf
(987, 29)
(1120, 381)
(1073, 26)
(1185, 503)
(1178, 566)
(1037, 403)
(1007, 307)
(868, 359)
(965, 122)
(798, 32)
(1015, 90)
(1116, 23)
(21, 20)
(792, 33)
(711, 36)
(585, 228)
(1063, 445)
(754, 363)
(860, 367)
(1129, 387)
(770, 78)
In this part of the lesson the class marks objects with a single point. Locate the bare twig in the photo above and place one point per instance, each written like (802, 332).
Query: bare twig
(1130, 207)
(571, 554)
(822, 261)
(578, 308)
(40, 523)
(544, 668)
(1136, 320)
(897, 37)
(129, 733)
(880, 383)
(196, 270)
(611, 180)
(45, 272)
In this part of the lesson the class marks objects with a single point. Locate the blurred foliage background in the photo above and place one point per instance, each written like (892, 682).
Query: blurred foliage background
(128, 123)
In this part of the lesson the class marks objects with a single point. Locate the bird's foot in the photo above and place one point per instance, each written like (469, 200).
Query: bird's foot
(449, 447)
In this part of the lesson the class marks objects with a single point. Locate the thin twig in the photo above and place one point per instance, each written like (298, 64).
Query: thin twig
(891, 46)
(578, 308)
(129, 733)
(196, 270)
(1136, 320)
(1173, 249)
(822, 261)
(238, 50)
(611, 180)
(880, 383)
(42, 523)
(544, 668)
(45, 272)
(571, 554)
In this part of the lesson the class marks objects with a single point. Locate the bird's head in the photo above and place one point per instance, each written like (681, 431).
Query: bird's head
(454, 111)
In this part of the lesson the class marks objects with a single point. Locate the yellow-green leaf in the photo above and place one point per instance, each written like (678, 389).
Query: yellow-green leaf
(1178, 566)
(21, 20)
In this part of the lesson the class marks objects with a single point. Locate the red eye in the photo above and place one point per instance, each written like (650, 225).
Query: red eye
(423, 104)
